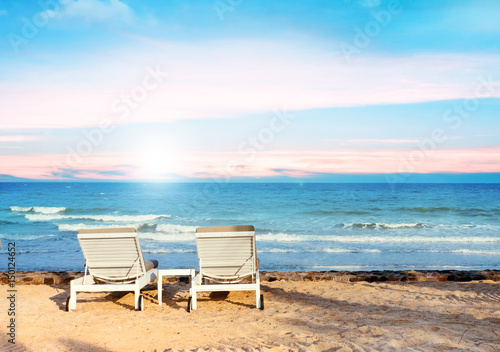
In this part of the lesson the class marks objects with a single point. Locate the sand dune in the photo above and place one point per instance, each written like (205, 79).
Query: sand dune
(298, 316)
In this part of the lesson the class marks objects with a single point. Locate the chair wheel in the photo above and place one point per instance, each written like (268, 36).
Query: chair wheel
(67, 304)
(261, 302)
(189, 304)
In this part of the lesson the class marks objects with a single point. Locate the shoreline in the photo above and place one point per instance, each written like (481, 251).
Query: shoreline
(64, 277)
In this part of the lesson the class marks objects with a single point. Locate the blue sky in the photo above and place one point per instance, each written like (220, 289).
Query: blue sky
(250, 90)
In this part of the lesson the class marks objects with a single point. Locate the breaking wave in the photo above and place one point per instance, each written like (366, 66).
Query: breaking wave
(369, 225)
(103, 218)
(41, 210)
(319, 250)
(168, 251)
(162, 237)
(78, 227)
(283, 237)
(170, 228)
(24, 237)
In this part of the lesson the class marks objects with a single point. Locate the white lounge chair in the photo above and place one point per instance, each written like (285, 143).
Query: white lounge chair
(113, 262)
(228, 258)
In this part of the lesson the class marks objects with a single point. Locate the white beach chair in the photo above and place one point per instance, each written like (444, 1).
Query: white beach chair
(113, 262)
(227, 257)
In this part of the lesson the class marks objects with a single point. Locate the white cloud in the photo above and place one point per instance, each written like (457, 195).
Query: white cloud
(3, 12)
(94, 10)
(232, 79)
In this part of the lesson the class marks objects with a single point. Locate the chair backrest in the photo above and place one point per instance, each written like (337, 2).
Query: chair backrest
(227, 252)
(112, 254)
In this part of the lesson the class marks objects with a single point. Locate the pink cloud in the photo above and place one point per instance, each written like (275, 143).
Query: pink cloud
(18, 138)
(294, 163)
(373, 141)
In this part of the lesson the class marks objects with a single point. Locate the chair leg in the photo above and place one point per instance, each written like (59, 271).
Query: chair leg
(160, 289)
(137, 294)
(72, 298)
(195, 281)
(257, 290)
(193, 300)
(72, 302)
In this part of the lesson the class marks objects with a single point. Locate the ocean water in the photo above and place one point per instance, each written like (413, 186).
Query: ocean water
(299, 226)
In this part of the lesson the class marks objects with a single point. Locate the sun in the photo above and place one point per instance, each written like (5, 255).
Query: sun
(155, 164)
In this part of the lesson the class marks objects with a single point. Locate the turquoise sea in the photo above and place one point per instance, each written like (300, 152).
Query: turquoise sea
(299, 226)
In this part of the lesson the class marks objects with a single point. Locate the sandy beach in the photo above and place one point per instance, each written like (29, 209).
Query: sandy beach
(298, 316)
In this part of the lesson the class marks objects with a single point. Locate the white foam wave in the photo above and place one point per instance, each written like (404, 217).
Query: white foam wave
(472, 251)
(78, 227)
(337, 250)
(170, 228)
(161, 237)
(319, 250)
(24, 237)
(103, 218)
(369, 225)
(343, 250)
(371, 251)
(21, 209)
(282, 237)
(470, 226)
(163, 228)
(41, 210)
(168, 251)
(278, 250)
(49, 210)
